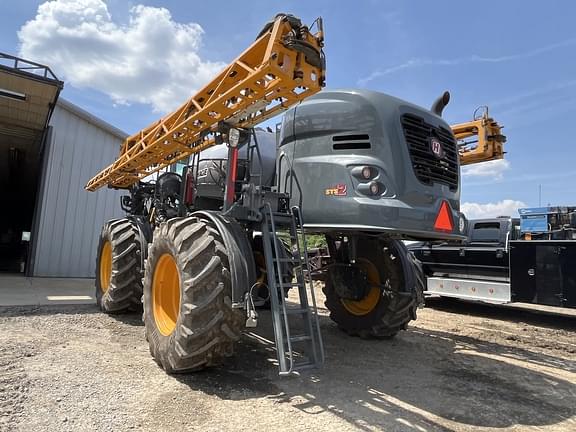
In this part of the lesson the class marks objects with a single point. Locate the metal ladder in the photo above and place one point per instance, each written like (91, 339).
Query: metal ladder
(303, 349)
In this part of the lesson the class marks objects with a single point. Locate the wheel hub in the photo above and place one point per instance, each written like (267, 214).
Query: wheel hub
(350, 282)
(368, 302)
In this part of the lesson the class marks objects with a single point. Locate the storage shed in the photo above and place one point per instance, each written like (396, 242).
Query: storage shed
(49, 149)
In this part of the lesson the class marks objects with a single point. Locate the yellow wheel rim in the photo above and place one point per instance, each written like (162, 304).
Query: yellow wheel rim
(105, 266)
(166, 294)
(369, 302)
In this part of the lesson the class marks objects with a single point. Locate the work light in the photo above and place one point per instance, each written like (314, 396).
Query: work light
(233, 137)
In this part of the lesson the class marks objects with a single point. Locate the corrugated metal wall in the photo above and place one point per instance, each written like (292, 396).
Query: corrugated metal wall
(70, 217)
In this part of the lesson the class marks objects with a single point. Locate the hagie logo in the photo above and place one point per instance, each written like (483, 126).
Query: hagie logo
(436, 148)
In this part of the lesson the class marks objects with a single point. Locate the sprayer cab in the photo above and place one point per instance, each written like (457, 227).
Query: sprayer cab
(363, 161)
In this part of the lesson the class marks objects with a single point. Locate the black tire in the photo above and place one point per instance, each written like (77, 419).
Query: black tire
(419, 275)
(206, 326)
(123, 292)
(400, 273)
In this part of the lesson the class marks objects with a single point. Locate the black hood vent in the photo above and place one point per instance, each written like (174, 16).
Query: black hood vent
(351, 142)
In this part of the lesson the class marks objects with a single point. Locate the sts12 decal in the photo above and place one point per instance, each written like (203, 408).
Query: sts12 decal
(337, 190)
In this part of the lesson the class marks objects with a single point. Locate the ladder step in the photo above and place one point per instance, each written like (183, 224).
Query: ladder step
(296, 311)
(300, 366)
(284, 260)
(290, 284)
(300, 338)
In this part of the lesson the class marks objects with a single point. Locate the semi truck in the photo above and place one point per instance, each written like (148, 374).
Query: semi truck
(507, 260)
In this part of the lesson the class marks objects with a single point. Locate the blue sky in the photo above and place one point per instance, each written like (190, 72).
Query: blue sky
(519, 58)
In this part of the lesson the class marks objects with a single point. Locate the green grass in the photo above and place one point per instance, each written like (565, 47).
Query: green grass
(312, 240)
(315, 240)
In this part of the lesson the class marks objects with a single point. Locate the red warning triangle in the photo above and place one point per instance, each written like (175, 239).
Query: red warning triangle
(444, 218)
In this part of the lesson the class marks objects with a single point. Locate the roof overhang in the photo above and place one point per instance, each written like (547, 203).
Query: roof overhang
(28, 94)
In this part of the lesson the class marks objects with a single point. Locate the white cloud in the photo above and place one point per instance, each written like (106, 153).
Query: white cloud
(505, 207)
(151, 59)
(492, 169)
(474, 58)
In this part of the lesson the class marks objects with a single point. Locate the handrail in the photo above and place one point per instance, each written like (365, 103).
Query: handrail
(29, 67)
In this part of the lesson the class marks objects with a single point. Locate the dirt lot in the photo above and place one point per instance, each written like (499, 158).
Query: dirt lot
(459, 367)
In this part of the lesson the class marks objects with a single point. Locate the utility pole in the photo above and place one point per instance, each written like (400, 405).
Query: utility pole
(540, 195)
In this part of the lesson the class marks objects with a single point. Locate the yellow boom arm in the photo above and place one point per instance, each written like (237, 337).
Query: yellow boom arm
(283, 66)
(487, 141)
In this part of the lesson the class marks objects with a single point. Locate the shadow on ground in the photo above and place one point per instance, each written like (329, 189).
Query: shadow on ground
(422, 379)
(503, 312)
(56, 309)
(131, 318)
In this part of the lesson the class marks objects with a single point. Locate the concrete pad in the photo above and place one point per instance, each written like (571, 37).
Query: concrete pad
(16, 290)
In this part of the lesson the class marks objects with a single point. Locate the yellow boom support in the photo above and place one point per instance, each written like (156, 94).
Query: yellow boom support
(489, 144)
(283, 66)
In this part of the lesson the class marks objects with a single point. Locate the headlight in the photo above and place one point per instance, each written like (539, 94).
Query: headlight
(373, 189)
(367, 173)
(364, 172)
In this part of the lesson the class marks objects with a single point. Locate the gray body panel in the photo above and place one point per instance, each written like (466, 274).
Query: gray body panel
(309, 165)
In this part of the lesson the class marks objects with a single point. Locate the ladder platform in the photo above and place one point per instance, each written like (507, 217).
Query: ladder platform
(300, 367)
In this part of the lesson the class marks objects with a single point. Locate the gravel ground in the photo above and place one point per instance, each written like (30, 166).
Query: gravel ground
(459, 367)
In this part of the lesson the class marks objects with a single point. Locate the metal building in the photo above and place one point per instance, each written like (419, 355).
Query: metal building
(70, 219)
(49, 149)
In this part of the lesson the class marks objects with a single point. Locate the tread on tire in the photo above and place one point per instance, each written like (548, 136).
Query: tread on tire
(124, 291)
(207, 326)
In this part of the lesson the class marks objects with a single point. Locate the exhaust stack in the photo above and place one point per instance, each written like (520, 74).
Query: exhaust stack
(440, 103)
